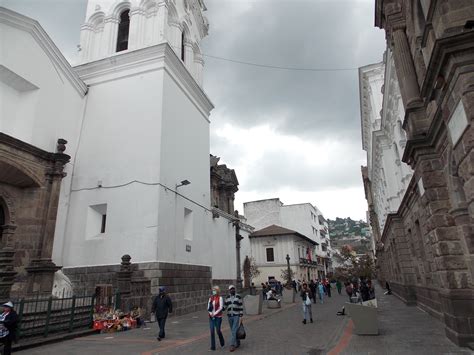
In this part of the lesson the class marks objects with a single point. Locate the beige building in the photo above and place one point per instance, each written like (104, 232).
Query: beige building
(270, 247)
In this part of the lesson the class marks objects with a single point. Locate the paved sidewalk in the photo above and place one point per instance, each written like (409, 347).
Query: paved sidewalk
(274, 332)
(403, 330)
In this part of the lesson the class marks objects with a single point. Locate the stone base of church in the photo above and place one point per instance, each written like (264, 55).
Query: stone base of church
(189, 286)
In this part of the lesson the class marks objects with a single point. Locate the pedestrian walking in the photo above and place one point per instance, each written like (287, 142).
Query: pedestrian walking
(328, 287)
(312, 287)
(339, 286)
(321, 292)
(371, 290)
(235, 310)
(364, 291)
(306, 296)
(264, 291)
(8, 325)
(349, 290)
(215, 308)
(161, 307)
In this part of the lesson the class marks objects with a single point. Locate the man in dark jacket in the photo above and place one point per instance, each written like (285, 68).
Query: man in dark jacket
(162, 305)
(8, 325)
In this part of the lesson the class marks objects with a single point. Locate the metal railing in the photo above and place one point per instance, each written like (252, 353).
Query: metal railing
(43, 316)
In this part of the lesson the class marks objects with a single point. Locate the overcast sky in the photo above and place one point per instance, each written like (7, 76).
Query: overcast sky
(292, 134)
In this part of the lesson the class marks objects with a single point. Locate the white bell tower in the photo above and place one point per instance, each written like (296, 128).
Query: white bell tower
(116, 26)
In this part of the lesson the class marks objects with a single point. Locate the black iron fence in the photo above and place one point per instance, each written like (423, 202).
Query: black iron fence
(43, 316)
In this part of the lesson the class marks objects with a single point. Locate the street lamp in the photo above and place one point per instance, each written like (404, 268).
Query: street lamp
(183, 183)
(289, 270)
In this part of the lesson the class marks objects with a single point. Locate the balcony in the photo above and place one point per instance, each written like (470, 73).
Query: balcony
(307, 262)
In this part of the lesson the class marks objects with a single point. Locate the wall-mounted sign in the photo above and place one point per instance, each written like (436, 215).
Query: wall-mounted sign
(457, 123)
(188, 248)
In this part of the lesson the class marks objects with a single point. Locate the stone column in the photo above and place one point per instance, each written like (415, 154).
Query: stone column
(7, 253)
(174, 37)
(124, 280)
(41, 269)
(238, 238)
(151, 27)
(137, 23)
(109, 37)
(416, 122)
(87, 34)
(199, 68)
(405, 67)
(162, 20)
(189, 56)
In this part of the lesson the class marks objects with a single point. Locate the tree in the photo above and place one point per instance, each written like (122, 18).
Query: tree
(250, 270)
(284, 274)
(354, 266)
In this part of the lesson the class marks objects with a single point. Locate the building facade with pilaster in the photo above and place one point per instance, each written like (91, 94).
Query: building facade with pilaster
(425, 247)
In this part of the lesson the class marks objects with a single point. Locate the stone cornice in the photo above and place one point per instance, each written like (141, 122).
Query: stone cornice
(443, 49)
(31, 149)
(134, 62)
(417, 147)
(33, 27)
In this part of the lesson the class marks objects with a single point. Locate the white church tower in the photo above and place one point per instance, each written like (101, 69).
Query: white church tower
(113, 27)
(145, 130)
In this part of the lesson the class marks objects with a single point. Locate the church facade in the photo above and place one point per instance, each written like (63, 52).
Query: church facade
(133, 184)
(423, 216)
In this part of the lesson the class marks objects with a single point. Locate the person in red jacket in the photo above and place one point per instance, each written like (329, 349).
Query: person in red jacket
(215, 308)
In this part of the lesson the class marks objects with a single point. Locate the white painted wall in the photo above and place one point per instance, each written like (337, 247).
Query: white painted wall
(282, 245)
(263, 213)
(41, 97)
(144, 118)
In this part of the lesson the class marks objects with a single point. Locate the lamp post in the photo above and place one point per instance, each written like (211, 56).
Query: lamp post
(238, 238)
(289, 270)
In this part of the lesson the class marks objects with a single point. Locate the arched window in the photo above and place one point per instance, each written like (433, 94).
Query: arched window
(123, 30)
(183, 50)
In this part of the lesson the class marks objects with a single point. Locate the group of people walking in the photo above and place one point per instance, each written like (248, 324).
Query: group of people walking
(360, 290)
(217, 306)
(319, 288)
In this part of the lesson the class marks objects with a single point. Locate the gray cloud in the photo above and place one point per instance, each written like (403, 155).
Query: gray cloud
(311, 105)
(308, 34)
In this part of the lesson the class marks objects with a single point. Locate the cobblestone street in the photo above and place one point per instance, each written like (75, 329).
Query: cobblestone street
(403, 330)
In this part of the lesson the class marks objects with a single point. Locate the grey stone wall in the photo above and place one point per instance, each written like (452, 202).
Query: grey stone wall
(189, 286)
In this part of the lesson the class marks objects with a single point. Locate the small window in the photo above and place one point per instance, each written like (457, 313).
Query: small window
(96, 223)
(270, 256)
(123, 31)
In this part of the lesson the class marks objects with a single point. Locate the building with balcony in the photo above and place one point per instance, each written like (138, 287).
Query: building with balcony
(270, 247)
(303, 218)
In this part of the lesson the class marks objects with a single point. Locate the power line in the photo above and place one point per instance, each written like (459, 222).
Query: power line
(276, 66)
(268, 66)
(141, 183)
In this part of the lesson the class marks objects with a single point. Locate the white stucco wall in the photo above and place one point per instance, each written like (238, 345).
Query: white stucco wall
(41, 97)
(263, 213)
(141, 129)
(282, 245)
